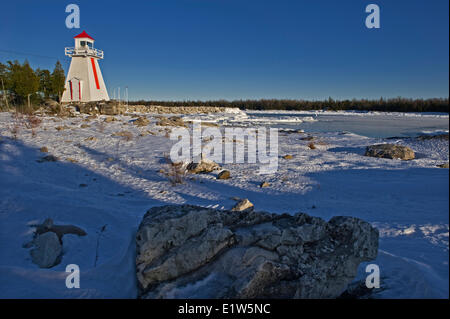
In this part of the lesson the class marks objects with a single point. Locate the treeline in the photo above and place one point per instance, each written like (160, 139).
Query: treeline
(20, 84)
(383, 105)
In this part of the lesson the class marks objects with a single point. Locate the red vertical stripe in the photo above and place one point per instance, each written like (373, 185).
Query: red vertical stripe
(79, 90)
(71, 94)
(95, 73)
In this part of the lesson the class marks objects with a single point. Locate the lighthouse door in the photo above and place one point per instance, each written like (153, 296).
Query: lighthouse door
(75, 86)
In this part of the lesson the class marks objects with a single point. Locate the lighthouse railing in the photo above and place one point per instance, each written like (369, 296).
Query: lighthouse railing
(71, 51)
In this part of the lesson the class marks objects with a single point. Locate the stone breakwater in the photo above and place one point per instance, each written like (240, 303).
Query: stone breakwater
(112, 108)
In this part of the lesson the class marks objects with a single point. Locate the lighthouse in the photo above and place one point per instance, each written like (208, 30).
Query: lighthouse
(84, 82)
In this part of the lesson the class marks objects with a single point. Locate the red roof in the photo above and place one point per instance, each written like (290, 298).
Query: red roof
(83, 35)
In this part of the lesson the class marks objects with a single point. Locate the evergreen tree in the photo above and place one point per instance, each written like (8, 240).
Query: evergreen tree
(57, 81)
(23, 81)
(45, 82)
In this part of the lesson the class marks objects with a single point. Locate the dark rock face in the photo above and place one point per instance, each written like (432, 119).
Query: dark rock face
(194, 252)
(391, 151)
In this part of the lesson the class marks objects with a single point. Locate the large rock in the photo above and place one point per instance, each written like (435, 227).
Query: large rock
(47, 251)
(194, 252)
(390, 151)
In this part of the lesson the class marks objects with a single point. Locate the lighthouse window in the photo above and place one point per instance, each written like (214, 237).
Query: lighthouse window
(83, 43)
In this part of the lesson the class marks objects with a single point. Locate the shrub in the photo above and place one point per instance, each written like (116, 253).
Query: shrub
(175, 172)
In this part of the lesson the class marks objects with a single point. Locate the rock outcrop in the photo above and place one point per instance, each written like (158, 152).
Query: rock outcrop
(391, 151)
(195, 252)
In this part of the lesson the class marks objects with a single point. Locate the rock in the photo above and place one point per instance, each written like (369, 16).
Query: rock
(47, 251)
(48, 158)
(59, 230)
(90, 138)
(445, 165)
(110, 119)
(202, 167)
(391, 151)
(242, 205)
(288, 156)
(170, 121)
(196, 252)
(224, 175)
(60, 128)
(443, 137)
(72, 160)
(44, 149)
(307, 138)
(312, 146)
(141, 121)
(85, 126)
(264, 184)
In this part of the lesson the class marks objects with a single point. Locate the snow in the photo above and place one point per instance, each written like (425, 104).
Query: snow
(406, 200)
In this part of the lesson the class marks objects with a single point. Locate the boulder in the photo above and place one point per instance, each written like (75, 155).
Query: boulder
(110, 119)
(205, 165)
(47, 251)
(196, 252)
(224, 175)
(243, 205)
(264, 184)
(141, 121)
(170, 121)
(391, 151)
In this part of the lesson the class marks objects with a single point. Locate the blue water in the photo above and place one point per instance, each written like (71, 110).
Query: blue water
(377, 126)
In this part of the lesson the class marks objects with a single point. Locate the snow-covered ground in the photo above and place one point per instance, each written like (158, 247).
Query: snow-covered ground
(406, 200)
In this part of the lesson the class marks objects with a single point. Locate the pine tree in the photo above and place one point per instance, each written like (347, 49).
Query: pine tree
(45, 82)
(23, 81)
(57, 81)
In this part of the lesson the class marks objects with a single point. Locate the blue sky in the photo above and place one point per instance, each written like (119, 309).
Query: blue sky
(231, 49)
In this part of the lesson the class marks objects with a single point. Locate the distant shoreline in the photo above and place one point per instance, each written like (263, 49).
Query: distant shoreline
(400, 105)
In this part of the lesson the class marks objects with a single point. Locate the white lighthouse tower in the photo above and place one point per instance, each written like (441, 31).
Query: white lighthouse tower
(84, 82)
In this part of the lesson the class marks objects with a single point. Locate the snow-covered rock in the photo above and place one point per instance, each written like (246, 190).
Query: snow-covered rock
(194, 252)
(391, 151)
(205, 165)
(242, 204)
